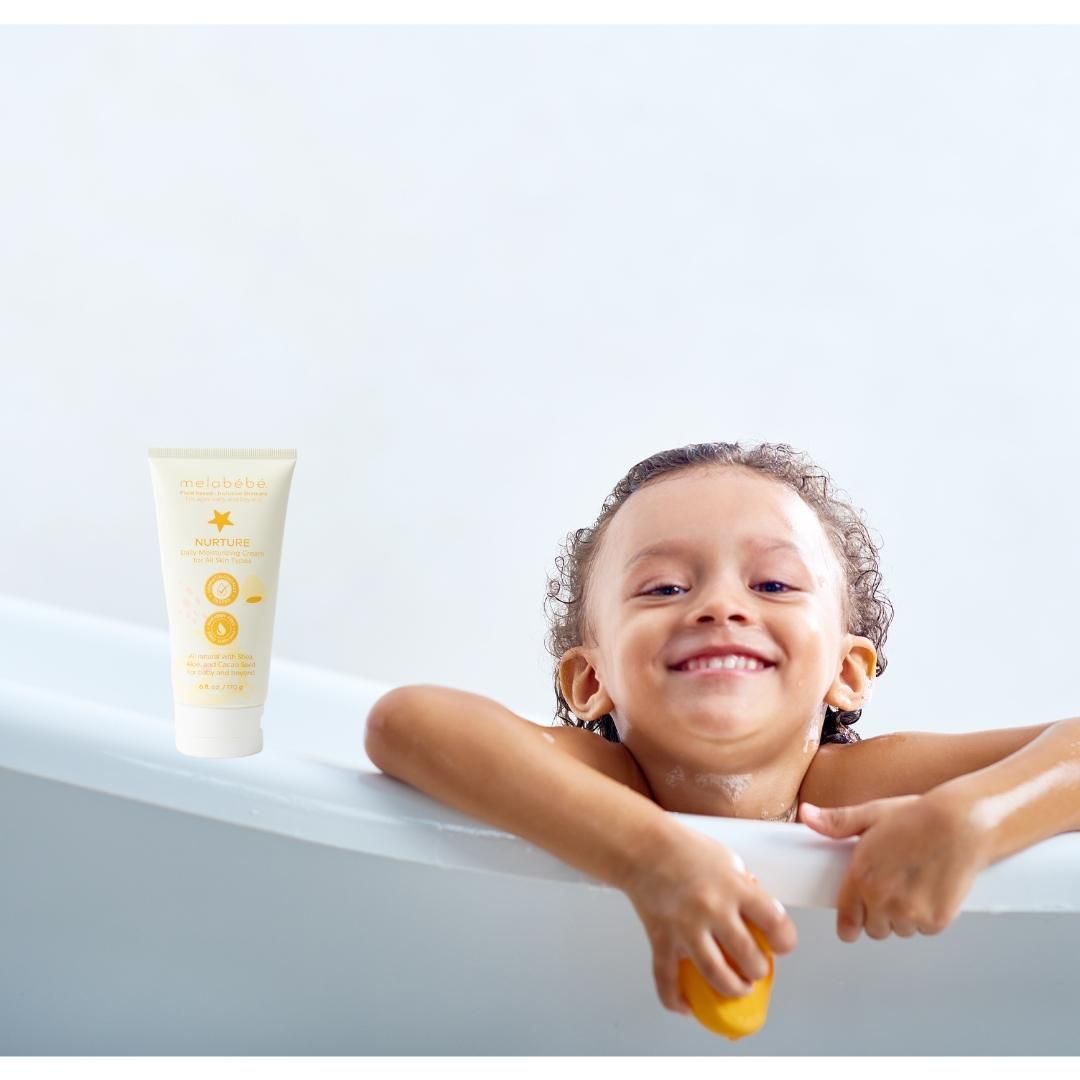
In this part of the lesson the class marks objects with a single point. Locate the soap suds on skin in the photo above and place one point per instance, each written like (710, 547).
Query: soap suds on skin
(734, 785)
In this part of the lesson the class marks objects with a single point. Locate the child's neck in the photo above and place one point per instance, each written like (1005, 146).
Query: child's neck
(693, 784)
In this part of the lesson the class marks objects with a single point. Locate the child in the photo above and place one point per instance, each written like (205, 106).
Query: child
(721, 549)
(709, 549)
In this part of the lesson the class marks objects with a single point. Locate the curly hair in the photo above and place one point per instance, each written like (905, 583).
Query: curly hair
(866, 610)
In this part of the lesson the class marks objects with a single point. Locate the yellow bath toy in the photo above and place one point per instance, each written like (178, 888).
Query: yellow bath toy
(733, 1017)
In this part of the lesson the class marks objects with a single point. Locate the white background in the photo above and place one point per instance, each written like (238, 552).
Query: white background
(473, 274)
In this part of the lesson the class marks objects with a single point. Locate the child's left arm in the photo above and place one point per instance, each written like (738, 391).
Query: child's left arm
(919, 853)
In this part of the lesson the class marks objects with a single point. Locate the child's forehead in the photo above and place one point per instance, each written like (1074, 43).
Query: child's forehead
(750, 517)
(712, 509)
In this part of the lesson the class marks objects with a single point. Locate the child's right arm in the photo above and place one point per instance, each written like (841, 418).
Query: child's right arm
(571, 797)
(477, 756)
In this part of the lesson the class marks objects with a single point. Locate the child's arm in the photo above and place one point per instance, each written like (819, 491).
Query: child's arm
(919, 853)
(1029, 796)
(570, 792)
(477, 756)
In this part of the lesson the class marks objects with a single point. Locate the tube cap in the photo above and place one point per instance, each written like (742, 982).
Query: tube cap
(218, 733)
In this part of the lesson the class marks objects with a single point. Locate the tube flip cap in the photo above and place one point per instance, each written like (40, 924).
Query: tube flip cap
(218, 732)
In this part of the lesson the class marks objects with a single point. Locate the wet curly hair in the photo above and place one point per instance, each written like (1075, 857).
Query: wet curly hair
(866, 610)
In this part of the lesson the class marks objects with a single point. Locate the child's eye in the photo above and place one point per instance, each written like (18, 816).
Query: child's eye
(659, 587)
(780, 583)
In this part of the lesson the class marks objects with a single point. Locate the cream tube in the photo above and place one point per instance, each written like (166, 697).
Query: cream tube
(221, 518)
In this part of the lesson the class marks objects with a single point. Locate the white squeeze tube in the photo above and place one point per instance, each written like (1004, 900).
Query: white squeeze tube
(221, 518)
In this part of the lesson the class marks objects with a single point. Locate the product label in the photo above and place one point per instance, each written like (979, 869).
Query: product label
(221, 548)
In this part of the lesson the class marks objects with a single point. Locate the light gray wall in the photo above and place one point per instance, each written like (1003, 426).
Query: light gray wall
(474, 274)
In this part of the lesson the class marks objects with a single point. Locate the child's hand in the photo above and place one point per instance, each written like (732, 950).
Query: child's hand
(911, 868)
(693, 895)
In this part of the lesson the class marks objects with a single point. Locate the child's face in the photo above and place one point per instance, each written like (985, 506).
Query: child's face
(724, 519)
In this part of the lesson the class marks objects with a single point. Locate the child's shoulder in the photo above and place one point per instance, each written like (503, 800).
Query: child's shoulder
(824, 778)
(611, 758)
(905, 762)
(843, 774)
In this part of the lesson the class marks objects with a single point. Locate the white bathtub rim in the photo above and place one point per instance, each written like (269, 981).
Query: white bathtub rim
(349, 804)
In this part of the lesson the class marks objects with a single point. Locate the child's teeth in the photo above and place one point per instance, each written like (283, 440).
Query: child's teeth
(742, 663)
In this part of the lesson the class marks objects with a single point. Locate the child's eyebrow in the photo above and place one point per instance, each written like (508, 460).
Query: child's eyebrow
(674, 547)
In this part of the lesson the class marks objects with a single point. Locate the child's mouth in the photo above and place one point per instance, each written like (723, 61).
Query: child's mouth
(720, 671)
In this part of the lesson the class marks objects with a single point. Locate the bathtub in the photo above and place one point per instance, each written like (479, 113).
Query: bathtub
(301, 902)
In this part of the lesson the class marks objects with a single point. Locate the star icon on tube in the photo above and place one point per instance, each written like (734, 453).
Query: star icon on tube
(221, 520)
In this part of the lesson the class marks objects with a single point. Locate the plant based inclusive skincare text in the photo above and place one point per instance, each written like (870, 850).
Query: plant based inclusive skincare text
(221, 518)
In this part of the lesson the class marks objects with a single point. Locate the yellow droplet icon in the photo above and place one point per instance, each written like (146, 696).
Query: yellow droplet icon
(252, 591)
(221, 628)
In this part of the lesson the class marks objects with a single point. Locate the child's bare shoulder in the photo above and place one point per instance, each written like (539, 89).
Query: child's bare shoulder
(611, 758)
(824, 778)
(905, 762)
(845, 773)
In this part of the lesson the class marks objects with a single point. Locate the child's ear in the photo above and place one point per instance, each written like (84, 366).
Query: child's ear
(850, 689)
(580, 685)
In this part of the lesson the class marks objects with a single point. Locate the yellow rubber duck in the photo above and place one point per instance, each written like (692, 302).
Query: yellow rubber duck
(733, 1017)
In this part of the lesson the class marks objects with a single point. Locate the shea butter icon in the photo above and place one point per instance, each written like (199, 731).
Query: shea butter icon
(221, 628)
(222, 589)
(253, 590)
